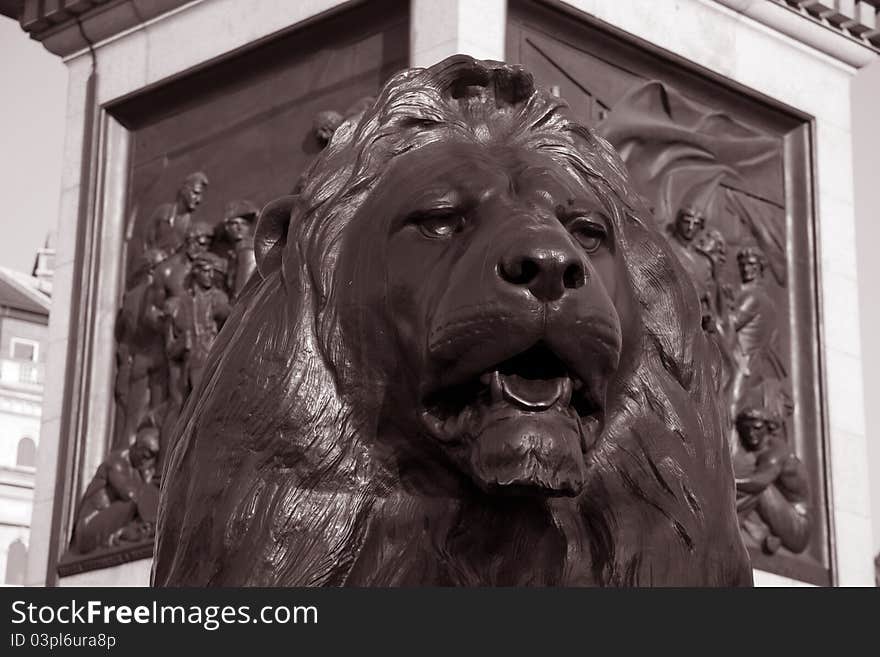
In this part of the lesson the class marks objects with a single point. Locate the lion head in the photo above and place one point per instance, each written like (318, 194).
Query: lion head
(470, 359)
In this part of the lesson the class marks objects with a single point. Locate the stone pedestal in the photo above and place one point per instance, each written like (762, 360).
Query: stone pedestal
(133, 58)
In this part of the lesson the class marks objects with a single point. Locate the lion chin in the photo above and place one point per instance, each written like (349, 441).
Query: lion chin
(524, 427)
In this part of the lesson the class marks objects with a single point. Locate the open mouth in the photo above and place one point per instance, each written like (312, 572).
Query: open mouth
(535, 380)
(522, 426)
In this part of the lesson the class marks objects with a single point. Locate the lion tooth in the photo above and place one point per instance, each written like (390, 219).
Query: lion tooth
(564, 398)
(450, 426)
(435, 425)
(495, 387)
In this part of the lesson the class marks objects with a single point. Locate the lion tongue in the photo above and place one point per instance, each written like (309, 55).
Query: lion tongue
(534, 394)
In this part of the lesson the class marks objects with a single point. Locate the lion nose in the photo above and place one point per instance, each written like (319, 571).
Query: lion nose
(546, 270)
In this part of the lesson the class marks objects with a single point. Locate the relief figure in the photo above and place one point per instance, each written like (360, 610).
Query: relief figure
(771, 484)
(196, 317)
(167, 227)
(238, 224)
(119, 505)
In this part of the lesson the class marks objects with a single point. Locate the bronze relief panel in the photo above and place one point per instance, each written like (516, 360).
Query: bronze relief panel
(209, 150)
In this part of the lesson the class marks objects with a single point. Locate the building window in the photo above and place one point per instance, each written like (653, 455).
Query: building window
(16, 562)
(26, 455)
(22, 349)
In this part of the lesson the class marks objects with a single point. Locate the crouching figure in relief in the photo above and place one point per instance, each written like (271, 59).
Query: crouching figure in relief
(771, 483)
(120, 503)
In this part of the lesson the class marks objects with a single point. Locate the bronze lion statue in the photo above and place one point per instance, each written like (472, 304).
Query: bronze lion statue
(468, 359)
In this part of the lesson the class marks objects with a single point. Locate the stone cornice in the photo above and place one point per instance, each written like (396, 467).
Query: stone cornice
(65, 27)
(848, 30)
(843, 30)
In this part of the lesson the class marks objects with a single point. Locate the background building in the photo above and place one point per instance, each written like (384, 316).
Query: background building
(241, 90)
(24, 319)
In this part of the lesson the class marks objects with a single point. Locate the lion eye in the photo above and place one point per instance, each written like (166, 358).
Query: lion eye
(589, 231)
(441, 224)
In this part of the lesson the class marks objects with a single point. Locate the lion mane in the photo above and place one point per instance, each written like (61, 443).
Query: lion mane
(273, 478)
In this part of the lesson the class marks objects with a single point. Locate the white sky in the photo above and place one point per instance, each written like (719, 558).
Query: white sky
(34, 101)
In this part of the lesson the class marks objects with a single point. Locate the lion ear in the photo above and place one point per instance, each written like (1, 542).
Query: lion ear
(270, 237)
